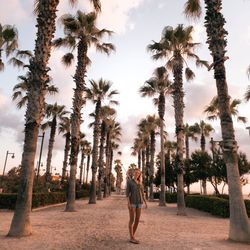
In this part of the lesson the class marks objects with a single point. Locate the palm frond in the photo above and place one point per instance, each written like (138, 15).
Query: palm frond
(192, 9)
(189, 74)
(68, 59)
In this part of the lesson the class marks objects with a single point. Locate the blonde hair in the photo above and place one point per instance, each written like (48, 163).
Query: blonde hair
(139, 178)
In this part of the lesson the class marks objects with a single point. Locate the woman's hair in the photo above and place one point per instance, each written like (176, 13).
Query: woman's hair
(130, 173)
(139, 177)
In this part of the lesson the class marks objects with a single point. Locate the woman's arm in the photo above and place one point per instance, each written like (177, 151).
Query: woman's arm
(128, 193)
(143, 196)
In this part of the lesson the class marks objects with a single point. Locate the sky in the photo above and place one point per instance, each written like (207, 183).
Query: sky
(136, 23)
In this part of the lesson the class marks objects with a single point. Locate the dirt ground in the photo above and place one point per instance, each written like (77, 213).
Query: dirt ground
(105, 226)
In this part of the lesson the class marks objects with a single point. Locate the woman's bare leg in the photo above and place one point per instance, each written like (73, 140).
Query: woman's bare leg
(131, 222)
(137, 219)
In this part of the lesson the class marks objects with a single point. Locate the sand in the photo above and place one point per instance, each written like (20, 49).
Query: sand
(104, 226)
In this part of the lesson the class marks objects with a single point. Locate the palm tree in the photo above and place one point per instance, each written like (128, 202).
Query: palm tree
(176, 45)
(80, 33)
(213, 113)
(64, 127)
(98, 92)
(88, 153)
(216, 39)
(190, 132)
(54, 112)
(8, 41)
(204, 129)
(107, 113)
(119, 175)
(159, 85)
(83, 144)
(247, 94)
(151, 123)
(113, 136)
(38, 66)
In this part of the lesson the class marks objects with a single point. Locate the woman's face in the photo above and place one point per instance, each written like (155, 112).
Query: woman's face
(137, 174)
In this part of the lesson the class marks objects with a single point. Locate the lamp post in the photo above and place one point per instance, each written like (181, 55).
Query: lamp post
(6, 158)
(40, 156)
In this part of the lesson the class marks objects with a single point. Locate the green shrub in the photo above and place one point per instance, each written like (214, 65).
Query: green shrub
(212, 204)
(170, 197)
(8, 201)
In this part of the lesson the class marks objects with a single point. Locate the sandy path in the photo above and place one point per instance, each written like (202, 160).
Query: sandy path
(104, 226)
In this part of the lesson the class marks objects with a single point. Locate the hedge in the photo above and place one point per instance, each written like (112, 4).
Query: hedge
(8, 201)
(212, 204)
(170, 197)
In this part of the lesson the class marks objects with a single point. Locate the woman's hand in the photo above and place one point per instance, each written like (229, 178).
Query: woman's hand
(129, 205)
(146, 205)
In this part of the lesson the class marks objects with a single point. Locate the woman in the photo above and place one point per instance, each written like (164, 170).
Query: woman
(135, 197)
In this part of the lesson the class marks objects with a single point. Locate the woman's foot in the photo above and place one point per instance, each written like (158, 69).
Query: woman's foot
(134, 241)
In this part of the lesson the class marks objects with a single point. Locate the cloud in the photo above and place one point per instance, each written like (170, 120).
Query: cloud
(114, 16)
(22, 11)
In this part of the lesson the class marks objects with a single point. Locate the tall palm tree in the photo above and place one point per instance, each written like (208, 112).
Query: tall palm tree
(64, 127)
(8, 41)
(216, 40)
(204, 130)
(54, 112)
(212, 110)
(119, 175)
(247, 94)
(151, 123)
(159, 85)
(107, 113)
(98, 92)
(83, 144)
(80, 33)
(38, 66)
(176, 45)
(190, 132)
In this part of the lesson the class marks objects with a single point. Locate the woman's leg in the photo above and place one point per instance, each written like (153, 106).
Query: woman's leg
(131, 222)
(137, 218)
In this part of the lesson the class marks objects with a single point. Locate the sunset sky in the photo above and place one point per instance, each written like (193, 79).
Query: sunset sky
(136, 24)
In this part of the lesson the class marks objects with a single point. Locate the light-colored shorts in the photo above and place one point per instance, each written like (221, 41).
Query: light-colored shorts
(136, 205)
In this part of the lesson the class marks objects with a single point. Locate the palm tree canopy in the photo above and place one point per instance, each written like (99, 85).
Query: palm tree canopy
(157, 84)
(54, 111)
(174, 42)
(8, 41)
(64, 126)
(193, 9)
(212, 109)
(20, 90)
(202, 128)
(101, 90)
(191, 132)
(247, 94)
(82, 28)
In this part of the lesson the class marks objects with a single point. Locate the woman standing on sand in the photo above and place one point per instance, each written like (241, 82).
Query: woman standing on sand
(135, 197)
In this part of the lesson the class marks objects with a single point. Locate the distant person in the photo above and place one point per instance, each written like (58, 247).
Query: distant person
(135, 198)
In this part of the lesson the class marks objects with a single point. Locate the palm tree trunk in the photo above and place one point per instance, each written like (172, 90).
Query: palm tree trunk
(78, 102)
(96, 135)
(81, 165)
(187, 172)
(139, 159)
(107, 165)
(110, 168)
(66, 154)
(147, 168)
(87, 171)
(162, 201)
(143, 167)
(203, 148)
(50, 149)
(20, 225)
(101, 154)
(239, 222)
(152, 154)
(178, 95)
